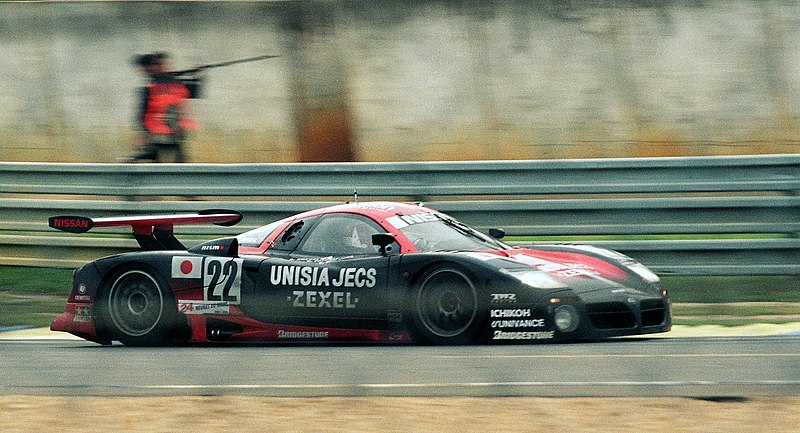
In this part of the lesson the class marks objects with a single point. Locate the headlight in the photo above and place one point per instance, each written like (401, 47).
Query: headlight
(566, 318)
(539, 280)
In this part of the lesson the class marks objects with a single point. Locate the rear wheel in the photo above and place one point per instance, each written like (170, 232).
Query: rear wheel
(137, 309)
(445, 307)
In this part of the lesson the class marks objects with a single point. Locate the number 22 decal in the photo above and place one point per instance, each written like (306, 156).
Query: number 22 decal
(223, 280)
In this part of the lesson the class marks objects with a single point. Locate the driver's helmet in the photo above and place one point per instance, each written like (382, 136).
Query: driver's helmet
(358, 237)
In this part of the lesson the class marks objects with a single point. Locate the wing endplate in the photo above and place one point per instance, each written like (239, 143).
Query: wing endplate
(71, 224)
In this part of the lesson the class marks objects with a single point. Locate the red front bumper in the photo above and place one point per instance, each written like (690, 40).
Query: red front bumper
(77, 319)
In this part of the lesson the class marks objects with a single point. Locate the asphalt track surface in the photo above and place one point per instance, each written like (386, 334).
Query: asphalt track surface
(720, 367)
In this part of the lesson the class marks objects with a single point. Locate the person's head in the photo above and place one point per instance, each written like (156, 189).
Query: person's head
(153, 64)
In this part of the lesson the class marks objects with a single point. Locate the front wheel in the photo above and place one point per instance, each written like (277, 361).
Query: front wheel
(138, 309)
(446, 307)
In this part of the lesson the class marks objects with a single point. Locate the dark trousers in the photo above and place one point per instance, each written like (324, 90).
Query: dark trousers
(162, 150)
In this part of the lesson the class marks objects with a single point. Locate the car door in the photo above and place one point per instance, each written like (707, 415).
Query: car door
(334, 277)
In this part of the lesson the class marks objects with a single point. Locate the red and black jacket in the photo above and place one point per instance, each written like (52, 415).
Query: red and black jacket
(160, 112)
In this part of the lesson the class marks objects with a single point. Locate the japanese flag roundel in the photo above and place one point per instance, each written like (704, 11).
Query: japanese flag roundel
(187, 267)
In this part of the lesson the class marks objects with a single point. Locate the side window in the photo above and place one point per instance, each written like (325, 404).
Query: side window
(256, 237)
(293, 234)
(341, 234)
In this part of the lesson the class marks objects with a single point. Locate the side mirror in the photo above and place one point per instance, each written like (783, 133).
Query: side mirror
(383, 240)
(497, 233)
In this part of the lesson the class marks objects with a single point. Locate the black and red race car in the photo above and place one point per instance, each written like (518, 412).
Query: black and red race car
(377, 271)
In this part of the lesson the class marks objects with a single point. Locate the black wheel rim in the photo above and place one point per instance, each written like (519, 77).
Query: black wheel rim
(447, 303)
(135, 303)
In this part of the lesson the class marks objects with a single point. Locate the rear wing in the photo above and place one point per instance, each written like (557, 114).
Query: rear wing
(153, 232)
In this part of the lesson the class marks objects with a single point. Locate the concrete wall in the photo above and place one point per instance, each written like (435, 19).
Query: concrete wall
(411, 80)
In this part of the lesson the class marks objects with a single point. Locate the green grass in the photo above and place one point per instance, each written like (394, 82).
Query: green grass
(735, 314)
(742, 310)
(36, 311)
(37, 281)
(733, 289)
(33, 296)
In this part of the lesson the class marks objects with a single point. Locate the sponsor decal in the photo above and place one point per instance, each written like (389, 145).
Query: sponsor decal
(592, 265)
(310, 276)
(377, 207)
(319, 299)
(528, 323)
(83, 298)
(560, 269)
(504, 298)
(204, 307)
(532, 335)
(518, 312)
(187, 267)
(401, 221)
(71, 224)
(82, 314)
(302, 334)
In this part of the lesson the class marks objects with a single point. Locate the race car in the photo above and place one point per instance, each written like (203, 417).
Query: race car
(374, 271)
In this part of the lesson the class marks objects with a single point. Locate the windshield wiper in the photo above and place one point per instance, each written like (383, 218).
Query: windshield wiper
(463, 228)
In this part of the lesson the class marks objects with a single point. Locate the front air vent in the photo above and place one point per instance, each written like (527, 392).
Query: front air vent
(611, 315)
(654, 312)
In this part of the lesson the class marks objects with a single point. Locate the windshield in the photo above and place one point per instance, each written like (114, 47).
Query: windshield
(430, 231)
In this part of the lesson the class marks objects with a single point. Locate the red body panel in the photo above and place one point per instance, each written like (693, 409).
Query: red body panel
(76, 319)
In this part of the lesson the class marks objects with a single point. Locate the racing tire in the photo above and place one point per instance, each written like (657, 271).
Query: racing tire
(137, 308)
(445, 307)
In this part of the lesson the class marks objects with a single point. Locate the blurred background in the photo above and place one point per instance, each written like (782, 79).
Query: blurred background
(411, 80)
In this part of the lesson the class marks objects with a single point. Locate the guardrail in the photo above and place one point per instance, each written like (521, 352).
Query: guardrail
(751, 200)
(416, 179)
